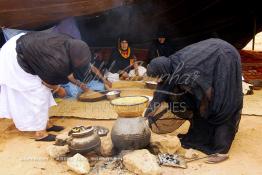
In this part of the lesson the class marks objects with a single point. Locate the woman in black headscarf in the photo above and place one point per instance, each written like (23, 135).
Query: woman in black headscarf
(161, 46)
(122, 59)
(204, 77)
(31, 65)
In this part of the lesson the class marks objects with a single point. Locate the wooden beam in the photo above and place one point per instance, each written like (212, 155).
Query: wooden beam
(254, 33)
(31, 13)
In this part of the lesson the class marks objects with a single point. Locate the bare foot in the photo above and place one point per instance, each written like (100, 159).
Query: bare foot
(40, 134)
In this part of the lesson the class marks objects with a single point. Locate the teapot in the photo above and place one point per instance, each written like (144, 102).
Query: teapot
(83, 139)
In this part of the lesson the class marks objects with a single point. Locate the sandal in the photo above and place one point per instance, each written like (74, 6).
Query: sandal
(48, 138)
(217, 158)
(55, 128)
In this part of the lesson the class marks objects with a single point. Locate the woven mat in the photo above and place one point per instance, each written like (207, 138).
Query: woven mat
(89, 110)
(101, 109)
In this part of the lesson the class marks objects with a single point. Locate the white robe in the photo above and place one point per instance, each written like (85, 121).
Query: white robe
(23, 97)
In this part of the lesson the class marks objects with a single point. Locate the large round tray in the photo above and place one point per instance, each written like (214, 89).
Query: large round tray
(91, 99)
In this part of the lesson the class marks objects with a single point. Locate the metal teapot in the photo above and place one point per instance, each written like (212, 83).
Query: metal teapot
(83, 139)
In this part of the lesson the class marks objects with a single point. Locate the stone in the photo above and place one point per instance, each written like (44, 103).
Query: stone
(57, 151)
(62, 139)
(141, 162)
(164, 143)
(106, 148)
(191, 154)
(112, 172)
(79, 164)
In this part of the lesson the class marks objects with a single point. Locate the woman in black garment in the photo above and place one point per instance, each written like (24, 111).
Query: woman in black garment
(206, 78)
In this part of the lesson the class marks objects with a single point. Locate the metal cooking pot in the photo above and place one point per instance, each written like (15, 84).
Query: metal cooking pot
(84, 141)
(130, 133)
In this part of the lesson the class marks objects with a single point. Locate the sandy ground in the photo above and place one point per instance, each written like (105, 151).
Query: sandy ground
(21, 155)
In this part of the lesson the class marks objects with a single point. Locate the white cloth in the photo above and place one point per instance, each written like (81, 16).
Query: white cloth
(112, 77)
(11, 74)
(246, 87)
(141, 71)
(23, 97)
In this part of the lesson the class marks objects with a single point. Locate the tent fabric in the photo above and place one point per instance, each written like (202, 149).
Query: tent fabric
(9, 33)
(186, 21)
(67, 26)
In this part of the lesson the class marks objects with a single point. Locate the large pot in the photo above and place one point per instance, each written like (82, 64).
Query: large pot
(130, 133)
(84, 141)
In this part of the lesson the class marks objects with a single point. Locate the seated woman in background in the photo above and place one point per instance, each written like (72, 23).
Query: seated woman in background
(122, 62)
(161, 47)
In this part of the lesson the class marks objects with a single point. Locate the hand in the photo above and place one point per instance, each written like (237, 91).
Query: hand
(124, 75)
(151, 120)
(108, 83)
(83, 87)
(61, 92)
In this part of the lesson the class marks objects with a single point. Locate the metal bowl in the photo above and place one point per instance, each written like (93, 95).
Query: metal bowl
(130, 109)
(151, 84)
(111, 95)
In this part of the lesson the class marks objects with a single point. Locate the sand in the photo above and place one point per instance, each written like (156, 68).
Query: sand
(21, 155)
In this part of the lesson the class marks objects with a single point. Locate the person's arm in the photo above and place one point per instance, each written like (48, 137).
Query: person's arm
(78, 83)
(96, 71)
(159, 96)
(136, 66)
(56, 89)
(52, 87)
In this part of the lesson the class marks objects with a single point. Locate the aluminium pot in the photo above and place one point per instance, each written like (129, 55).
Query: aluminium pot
(130, 133)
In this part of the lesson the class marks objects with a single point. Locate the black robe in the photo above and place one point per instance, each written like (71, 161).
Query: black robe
(157, 50)
(208, 77)
(118, 63)
(53, 56)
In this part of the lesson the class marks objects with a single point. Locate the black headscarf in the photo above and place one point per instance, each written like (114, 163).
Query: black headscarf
(80, 57)
(123, 37)
(210, 68)
(52, 56)
(159, 67)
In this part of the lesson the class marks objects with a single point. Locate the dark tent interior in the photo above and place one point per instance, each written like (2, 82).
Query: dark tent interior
(101, 22)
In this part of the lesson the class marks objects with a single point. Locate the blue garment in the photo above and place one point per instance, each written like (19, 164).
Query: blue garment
(73, 90)
(9, 33)
(68, 26)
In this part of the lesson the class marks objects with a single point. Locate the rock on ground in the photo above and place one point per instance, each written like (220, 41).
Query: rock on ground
(57, 151)
(142, 162)
(106, 148)
(191, 154)
(164, 143)
(78, 164)
(62, 138)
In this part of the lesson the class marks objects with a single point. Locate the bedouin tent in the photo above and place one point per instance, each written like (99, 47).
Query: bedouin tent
(101, 22)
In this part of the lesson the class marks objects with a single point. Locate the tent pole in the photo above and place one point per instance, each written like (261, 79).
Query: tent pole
(254, 33)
